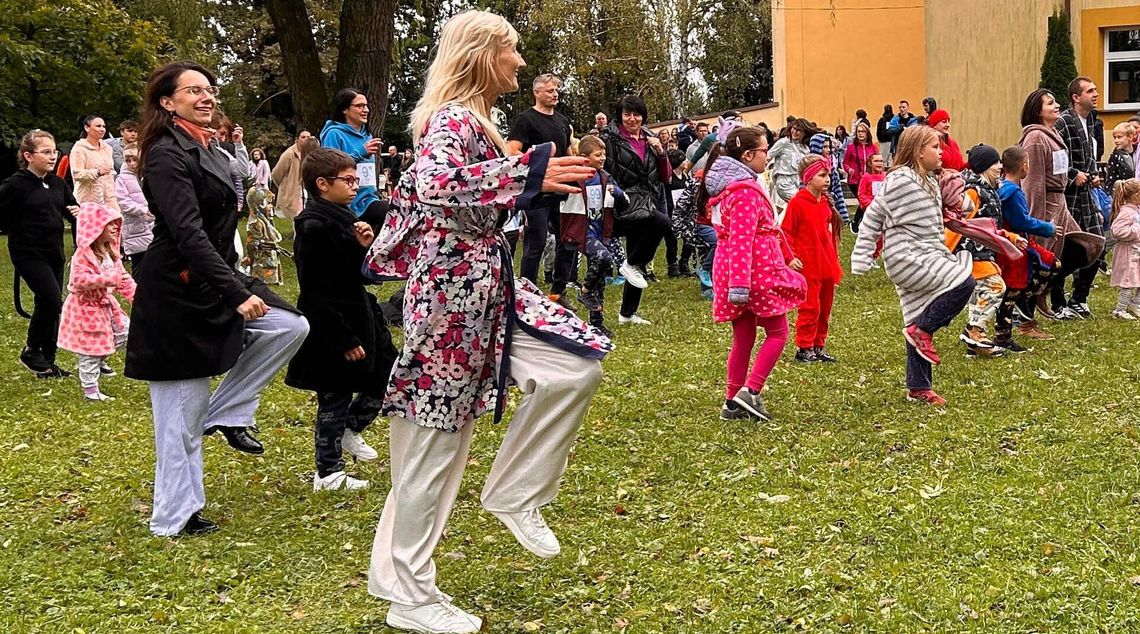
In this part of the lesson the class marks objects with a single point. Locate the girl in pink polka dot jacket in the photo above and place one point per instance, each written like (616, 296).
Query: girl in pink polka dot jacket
(754, 284)
(93, 325)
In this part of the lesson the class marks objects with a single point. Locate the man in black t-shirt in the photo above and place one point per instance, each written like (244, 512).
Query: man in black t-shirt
(534, 126)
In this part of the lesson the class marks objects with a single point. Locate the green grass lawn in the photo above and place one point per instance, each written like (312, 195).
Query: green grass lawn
(1014, 509)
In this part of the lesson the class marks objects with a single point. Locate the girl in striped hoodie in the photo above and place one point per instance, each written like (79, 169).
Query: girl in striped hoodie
(933, 284)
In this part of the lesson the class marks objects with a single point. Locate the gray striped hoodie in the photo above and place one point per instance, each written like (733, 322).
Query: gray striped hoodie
(909, 217)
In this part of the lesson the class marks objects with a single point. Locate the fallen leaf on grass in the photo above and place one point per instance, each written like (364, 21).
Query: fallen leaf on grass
(1050, 548)
(928, 492)
(533, 626)
(20, 447)
(773, 499)
(297, 615)
(1132, 580)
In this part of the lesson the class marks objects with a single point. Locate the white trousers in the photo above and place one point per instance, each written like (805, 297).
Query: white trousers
(427, 467)
(183, 409)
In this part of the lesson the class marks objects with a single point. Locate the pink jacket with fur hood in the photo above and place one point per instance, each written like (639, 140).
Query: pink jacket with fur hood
(91, 315)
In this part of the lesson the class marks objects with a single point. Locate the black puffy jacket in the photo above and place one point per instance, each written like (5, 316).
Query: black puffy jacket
(636, 176)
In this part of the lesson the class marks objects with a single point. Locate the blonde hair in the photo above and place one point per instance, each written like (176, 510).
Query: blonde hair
(1123, 191)
(1125, 128)
(464, 70)
(912, 142)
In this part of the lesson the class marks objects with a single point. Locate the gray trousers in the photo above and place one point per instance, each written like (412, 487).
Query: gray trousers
(183, 409)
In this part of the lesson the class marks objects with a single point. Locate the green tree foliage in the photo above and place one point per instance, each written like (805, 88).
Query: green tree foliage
(1060, 64)
(65, 58)
(737, 60)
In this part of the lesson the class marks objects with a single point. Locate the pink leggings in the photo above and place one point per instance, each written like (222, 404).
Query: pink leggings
(743, 338)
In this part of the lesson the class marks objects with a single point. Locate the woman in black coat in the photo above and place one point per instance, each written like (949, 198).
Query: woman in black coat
(639, 165)
(194, 315)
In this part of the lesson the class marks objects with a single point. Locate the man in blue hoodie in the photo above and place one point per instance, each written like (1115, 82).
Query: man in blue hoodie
(347, 131)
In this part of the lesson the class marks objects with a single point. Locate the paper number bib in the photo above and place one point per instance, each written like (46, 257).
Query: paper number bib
(366, 174)
(1060, 162)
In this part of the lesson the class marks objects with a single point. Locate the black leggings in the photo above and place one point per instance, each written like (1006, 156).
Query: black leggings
(642, 237)
(43, 275)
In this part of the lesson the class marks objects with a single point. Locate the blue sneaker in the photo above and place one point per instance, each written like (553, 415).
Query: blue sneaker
(617, 281)
(704, 277)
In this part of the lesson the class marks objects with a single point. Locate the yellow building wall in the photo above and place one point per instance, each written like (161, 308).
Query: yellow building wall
(983, 57)
(829, 62)
(1088, 20)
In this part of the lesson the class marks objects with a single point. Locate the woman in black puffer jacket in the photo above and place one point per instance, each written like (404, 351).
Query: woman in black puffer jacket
(638, 163)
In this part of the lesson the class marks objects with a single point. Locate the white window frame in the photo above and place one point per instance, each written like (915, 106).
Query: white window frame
(1127, 56)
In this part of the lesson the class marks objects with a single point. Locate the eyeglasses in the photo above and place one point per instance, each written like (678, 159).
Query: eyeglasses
(196, 91)
(361, 106)
(348, 180)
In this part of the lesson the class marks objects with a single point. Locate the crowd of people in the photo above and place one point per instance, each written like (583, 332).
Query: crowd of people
(755, 215)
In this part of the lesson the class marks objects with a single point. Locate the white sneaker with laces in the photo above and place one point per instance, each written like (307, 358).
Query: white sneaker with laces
(634, 319)
(531, 531)
(632, 275)
(98, 396)
(337, 480)
(1066, 314)
(433, 618)
(1123, 314)
(356, 447)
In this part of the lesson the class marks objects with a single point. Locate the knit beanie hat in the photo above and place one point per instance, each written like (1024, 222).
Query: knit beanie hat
(936, 117)
(982, 157)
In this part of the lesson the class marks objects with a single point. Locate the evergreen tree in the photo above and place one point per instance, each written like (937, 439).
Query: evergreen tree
(1060, 64)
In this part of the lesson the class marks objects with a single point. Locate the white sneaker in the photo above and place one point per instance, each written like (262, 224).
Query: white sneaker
(1134, 310)
(337, 480)
(98, 396)
(531, 531)
(632, 275)
(356, 447)
(433, 618)
(634, 319)
(1123, 314)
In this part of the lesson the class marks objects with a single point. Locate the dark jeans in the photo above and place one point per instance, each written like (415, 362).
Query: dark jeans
(43, 275)
(671, 247)
(937, 315)
(539, 221)
(1023, 298)
(599, 264)
(565, 266)
(1082, 278)
(136, 261)
(642, 237)
(337, 411)
(375, 214)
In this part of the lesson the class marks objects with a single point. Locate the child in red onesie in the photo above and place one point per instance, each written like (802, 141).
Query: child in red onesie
(812, 227)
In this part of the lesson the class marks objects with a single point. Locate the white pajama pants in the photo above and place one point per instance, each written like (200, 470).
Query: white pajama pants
(183, 409)
(427, 467)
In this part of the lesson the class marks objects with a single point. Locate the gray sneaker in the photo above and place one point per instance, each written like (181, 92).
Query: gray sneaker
(752, 403)
(734, 413)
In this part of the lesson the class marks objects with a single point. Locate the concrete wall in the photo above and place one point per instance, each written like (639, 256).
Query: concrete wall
(983, 57)
(863, 54)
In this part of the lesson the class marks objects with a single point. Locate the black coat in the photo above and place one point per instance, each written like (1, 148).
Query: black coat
(184, 323)
(342, 314)
(638, 177)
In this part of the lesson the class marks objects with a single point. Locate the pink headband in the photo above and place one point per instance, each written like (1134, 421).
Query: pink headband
(811, 170)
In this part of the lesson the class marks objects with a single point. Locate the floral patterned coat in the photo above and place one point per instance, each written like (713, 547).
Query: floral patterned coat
(442, 235)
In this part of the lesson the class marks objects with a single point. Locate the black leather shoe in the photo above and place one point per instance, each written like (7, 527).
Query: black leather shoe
(197, 525)
(239, 438)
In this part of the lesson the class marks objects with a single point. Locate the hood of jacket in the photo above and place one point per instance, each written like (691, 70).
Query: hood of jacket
(346, 130)
(92, 219)
(725, 171)
(1048, 131)
(817, 141)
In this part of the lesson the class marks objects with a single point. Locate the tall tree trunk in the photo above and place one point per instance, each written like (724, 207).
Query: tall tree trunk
(301, 62)
(365, 55)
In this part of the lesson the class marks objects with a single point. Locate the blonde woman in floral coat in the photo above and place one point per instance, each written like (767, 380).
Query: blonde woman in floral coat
(468, 326)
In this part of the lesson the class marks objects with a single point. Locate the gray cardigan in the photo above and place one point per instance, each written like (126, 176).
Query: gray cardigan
(908, 214)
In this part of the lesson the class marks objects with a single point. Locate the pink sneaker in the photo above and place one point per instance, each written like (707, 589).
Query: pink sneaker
(923, 343)
(930, 397)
